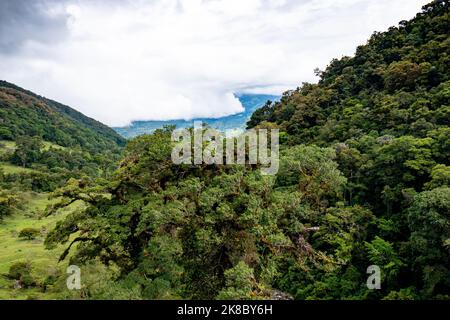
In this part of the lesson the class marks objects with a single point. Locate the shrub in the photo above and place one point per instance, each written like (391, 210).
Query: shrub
(29, 233)
(22, 271)
(7, 203)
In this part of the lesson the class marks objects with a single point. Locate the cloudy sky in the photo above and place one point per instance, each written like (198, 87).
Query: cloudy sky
(119, 61)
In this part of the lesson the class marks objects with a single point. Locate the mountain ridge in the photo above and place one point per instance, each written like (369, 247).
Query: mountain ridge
(50, 120)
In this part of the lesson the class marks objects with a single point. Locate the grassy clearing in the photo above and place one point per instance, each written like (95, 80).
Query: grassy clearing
(10, 146)
(12, 249)
(7, 146)
(48, 145)
(12, 169)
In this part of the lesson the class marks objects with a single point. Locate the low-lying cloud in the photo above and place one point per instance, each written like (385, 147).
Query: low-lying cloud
(119, 61)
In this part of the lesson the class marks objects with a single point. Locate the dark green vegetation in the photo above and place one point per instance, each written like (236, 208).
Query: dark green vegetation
(363, 180)
(50, 142)
(386, 113)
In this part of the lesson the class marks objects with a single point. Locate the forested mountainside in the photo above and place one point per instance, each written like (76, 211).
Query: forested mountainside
(23, 113)
(397, 84)
(363, 181)
(236, 122)
(44, 143)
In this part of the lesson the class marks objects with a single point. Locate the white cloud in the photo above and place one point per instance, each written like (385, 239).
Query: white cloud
(167, 59)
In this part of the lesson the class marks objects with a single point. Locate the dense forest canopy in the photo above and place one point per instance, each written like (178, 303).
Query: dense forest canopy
(363, 180)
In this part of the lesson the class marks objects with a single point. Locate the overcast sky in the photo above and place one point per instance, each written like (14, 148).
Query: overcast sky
(119, 61)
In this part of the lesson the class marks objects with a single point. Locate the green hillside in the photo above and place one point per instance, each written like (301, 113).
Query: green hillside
(23, 113)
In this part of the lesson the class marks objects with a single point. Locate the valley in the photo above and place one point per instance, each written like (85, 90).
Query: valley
(363, 184)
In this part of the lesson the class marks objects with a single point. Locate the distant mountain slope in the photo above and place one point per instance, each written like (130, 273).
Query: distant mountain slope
(251, 102)
(25, 113)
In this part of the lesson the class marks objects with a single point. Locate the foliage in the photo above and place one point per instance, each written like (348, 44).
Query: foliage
(29, 233)
(21, 271)
(385, 111)
(27, 151)
(7, 203)
(239, 283)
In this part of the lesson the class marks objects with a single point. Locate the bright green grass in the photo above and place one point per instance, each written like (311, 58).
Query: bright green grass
(10, 146)
(12, 169)
(7, 145)
(13, 249)
(48, 145)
